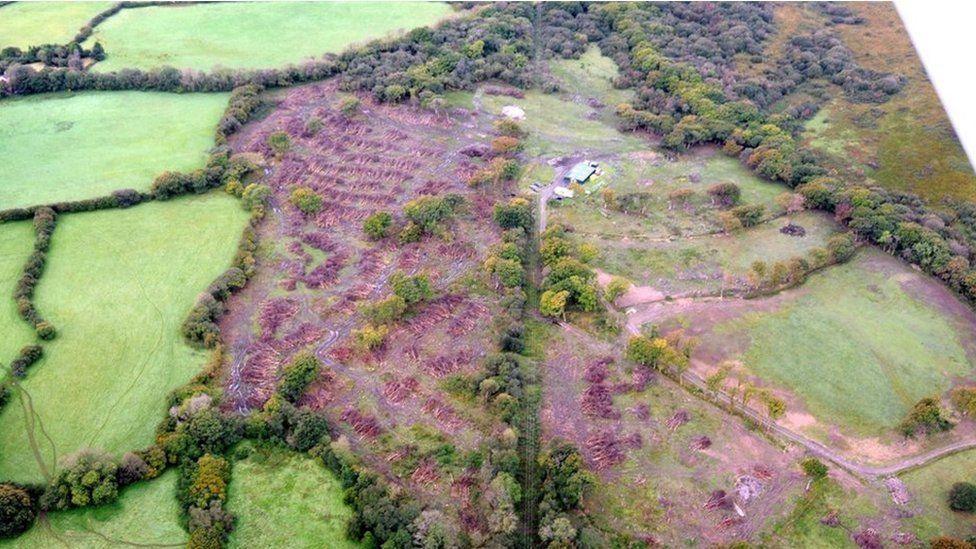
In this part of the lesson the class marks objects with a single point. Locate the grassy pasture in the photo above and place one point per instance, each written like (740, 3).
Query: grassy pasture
(118, 284)
(250, 35)
(146, 514)
(702, 263)
(25, 24)
(929, 489)
(860, 343)
(73, 146)
(272, 488)
(16, 244)
(649, 172)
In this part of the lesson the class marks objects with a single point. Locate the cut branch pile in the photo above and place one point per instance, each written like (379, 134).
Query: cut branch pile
(678, 419)
(365, 426)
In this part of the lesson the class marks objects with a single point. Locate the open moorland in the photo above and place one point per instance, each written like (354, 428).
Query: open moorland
(438, 275)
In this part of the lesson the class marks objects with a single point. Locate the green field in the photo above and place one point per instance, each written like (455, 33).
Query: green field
(118, 284)
(802, 527)
(929, 488)
(273, 488)
(16, 244)
(25, 24)
(703, 263)
(250, 35)
(72, 146)
(145, 515)
(888, 346)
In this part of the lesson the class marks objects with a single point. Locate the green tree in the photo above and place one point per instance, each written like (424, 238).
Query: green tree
(17, 510)
(814, 468)
(516, 213)
(297, 375)
(962, 497)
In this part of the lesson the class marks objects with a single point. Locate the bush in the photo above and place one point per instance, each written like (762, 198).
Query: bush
(298, 374)
(210, 481)
(814, 468)
(428, 212)
(279, 143)
(25, 359)
(841, 247)
(962, 497)
(725, 194)
(86, 478)
(349, 106)
(17, 510)
(386, 311)
(255, 195)
(617, 287)
(306, 200)
(370, 337)
(411, 289)
(377, 226)
(964, 399)
(925, 417)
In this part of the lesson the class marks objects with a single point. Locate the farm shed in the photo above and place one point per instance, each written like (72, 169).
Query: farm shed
(581, 172)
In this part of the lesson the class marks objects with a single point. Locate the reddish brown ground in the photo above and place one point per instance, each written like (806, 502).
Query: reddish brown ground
(663, 458)
(317, 271)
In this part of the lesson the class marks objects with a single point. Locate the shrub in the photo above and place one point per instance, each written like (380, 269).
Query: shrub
(370, 337)
(946, 542)
(87, 477)
(45, 330)
(17, 510)
(725, 194)
(298, 374)
(386, 311)
(377, 225)
(925, 417)
(617, 287)
(962, 497)
(279, 143)
(814, 468)
(749, 215)
(25, 359)
(964, 399)
(412, 289)
(255, 195)
(349, 106)
(841, 247)
(306, 200)
(428, 212)
(509, 128)
(313, 126)
(210, 481)
(505, 145)
(553, 303)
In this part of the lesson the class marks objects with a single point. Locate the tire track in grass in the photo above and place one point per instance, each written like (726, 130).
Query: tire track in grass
(149, 355)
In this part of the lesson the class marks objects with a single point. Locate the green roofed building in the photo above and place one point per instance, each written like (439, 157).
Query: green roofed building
(581, 172)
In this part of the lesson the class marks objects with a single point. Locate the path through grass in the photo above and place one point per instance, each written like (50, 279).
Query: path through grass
(118, 284)
(72, 146)
(250, 35)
